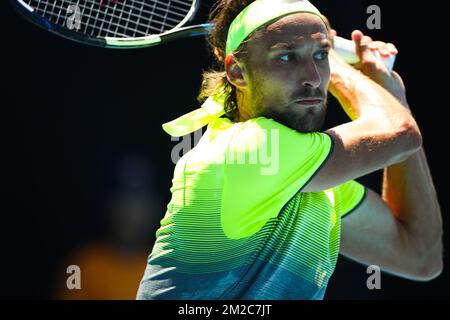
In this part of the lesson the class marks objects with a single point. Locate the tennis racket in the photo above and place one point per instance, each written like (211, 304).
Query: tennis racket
(127, 24)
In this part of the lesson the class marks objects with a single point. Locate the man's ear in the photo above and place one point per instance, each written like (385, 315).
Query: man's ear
(235, 72)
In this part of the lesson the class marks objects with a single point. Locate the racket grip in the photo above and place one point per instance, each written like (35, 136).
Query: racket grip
(347, 51)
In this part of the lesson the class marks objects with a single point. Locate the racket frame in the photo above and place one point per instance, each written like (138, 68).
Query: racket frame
(116, 42)
(345, 48)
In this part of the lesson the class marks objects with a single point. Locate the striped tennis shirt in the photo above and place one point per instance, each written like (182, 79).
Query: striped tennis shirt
(238, 225)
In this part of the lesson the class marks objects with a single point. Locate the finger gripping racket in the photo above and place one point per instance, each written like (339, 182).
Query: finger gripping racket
(346, 49)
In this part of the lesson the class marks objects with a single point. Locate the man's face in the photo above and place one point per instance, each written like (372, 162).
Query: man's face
(287, 72)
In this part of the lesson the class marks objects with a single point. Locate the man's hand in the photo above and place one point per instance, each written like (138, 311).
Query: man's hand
(374, 68)
(369, 65)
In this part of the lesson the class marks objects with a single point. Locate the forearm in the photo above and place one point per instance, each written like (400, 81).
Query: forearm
(409, 191)
(405, 226)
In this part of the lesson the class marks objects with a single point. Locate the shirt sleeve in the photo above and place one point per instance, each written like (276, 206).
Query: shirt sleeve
(348, 196)
(267, 164)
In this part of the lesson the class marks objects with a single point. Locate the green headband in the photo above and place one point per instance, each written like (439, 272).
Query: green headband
(259, 13)
(249, 20)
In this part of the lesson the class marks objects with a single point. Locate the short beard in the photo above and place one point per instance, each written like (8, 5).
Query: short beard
(311, 121)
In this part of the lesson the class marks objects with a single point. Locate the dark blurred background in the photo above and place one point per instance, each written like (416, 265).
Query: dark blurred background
(86, 168)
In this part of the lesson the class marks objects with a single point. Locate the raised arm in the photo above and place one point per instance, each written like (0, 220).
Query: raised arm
(400, 231)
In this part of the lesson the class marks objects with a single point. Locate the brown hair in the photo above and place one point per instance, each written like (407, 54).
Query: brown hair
(215, 80)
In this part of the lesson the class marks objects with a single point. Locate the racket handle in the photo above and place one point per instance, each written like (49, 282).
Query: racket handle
(347, 51)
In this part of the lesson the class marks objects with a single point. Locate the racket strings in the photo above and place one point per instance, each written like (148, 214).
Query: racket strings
(116, 18)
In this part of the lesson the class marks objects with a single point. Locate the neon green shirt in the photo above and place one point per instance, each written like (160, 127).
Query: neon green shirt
(238, 225)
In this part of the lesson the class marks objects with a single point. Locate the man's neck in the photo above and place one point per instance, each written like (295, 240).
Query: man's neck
(245, 109)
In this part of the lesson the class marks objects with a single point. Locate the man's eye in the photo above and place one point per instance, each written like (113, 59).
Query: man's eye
(322, 55)
(286, 57)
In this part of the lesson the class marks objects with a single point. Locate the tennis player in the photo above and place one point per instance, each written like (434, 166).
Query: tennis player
(266, 201)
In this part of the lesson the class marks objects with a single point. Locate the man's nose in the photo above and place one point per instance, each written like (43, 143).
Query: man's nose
(309, 75)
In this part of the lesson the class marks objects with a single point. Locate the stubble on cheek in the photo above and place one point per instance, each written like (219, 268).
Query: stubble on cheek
(270, 101)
